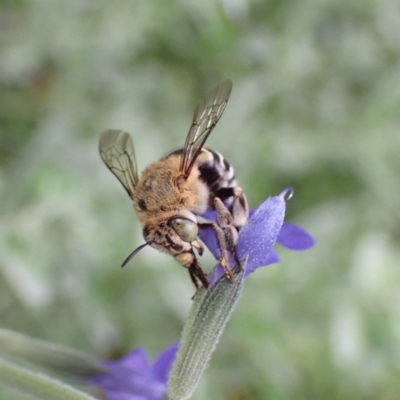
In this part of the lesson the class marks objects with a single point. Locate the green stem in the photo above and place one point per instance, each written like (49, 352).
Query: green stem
(206, 321)
(49, 355)
(38, 385)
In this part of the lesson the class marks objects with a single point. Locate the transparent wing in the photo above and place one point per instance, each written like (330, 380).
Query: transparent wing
(118, 153)
(205, 117)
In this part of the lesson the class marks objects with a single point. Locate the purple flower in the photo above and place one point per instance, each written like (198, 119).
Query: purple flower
(257, 237)
(133, 378)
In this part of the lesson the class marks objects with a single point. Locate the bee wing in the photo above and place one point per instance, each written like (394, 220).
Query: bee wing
(205, 117)
(118, 153)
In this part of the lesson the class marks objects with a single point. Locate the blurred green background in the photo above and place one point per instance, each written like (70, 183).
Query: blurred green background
(315, 105)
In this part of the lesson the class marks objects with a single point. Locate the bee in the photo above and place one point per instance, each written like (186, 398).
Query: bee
(172, 194)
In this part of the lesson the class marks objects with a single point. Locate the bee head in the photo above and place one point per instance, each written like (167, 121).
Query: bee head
(174, 236)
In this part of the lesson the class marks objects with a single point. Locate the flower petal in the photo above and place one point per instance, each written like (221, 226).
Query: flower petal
(271, 258)
(294, 238)
(122, 380)
(290, 236)
(137, 360)
(210, 215)
(125, 380)
(123, 396)
(163, 363)
(216, 273)
(207, 236)
(258, 236)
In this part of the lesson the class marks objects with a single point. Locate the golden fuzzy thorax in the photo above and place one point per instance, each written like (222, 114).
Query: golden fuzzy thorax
(158, 196)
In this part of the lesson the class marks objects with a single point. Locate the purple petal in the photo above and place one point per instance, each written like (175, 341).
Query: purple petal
(210, 215)
(137, 360)
(291, 236)
(132, 378)
(216, 273)
(125, 380)
(207, 236)
(123, 396)
(130, 375)
(258, 236)
(271, 258)
(163, 363)
(294, 238)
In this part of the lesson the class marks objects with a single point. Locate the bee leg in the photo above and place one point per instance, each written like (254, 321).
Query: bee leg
(198, 247)
(240, 207)
(194, 279)
(222, 244)
(227, 235)
(197, 274)
(226, 222)
(188, 260)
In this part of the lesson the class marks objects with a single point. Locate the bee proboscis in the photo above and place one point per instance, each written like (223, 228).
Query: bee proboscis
(171, 195)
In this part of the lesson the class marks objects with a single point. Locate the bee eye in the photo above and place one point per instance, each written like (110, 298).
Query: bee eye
(185, 228)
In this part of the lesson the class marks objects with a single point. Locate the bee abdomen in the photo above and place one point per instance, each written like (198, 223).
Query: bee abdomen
(216, 171)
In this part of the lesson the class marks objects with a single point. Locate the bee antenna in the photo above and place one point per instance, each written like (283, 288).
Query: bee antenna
(134, 252)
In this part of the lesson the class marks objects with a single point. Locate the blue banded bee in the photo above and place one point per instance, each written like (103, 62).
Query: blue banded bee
(171, 195)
